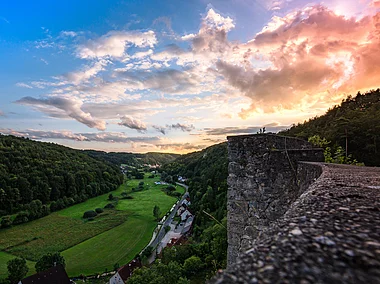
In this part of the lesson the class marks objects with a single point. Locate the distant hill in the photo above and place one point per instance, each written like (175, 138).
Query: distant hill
(133, 159)
(37, 176)
(358, 118)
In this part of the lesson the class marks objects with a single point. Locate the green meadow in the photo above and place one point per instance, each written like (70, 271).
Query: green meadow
(89, 247)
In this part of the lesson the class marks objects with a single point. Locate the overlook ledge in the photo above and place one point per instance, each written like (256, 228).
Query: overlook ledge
(329, 231)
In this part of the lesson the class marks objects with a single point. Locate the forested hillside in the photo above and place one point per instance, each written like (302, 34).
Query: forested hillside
(133, 159)
(207, 172)
(36, 177)
(357, 118)
(206, 251)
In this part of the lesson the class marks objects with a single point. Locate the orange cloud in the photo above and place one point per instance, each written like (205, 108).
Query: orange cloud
(314, 54)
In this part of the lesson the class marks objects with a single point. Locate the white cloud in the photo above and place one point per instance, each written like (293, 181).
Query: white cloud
(68, 34)
(188, 37)
(114, 43)
(23, 85)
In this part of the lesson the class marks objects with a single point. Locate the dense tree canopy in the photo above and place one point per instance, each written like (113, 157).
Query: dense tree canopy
(356, 119)
(37, 177)
(17, 270)
(49, 260)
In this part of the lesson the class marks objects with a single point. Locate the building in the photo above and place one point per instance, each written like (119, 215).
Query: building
(56, 275)
(124, 272)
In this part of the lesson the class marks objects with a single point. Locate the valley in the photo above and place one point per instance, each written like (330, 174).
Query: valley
(90, 247)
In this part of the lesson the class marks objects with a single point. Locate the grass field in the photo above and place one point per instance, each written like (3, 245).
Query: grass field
(89, 247)
(5, 257)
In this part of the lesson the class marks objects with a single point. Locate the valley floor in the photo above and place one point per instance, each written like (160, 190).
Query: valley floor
(90, 247)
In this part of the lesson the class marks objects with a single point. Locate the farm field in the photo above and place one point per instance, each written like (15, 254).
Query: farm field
(89, 247)
(5, 257)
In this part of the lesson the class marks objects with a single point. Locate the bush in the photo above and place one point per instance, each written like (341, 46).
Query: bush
(99, 210)
(6, 222)
(21, 217)
(170, 188)
(109, 206)
(90, 214)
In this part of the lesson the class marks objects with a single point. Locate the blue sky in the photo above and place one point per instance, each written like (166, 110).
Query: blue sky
(177, 76)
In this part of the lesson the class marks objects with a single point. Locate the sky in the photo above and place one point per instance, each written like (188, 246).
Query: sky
(178, 76)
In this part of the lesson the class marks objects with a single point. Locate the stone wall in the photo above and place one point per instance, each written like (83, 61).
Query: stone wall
(262, 184)
(329, 234)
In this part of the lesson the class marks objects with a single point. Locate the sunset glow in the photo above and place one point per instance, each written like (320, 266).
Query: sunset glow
(165, 77)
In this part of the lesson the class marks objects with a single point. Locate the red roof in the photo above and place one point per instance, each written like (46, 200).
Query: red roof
(126, 271)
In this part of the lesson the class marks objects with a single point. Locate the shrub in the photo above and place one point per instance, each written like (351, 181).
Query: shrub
(6, 222)
(90, 214)
(109, 206)
(99, 210)
(170, 188)
(21, 217)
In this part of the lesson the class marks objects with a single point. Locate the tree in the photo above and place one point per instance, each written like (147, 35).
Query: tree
(192, 265)
(156, 212)
(49, 260)
(17, 269)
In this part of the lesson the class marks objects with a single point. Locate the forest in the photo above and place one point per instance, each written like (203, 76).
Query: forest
(133, 159)
(356, 119)
(37, 178)
(206, 251)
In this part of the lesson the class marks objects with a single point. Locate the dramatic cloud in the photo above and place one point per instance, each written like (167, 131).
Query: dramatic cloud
(63, 108)
(114, 43)
(297, 66)
(313, 54)
(212, 36)
(133, 123)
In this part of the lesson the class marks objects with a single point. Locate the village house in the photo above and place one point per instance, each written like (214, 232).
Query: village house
(124, 272)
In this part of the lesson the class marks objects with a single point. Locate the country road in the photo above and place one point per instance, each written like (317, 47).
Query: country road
(167, 222)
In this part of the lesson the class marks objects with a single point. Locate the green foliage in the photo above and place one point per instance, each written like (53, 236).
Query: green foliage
(147, 252)
(159, 273)
(192, 265)
(109, 206)
(49, 260)
(90, 214)
(356, 121)
(206, 172)
(6, 222)
(156, 212)
(167, 229)
(17, 269)
(34, 175)
(99, 210)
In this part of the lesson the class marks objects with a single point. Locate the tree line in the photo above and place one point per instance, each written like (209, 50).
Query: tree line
(37, 178)
(354, 126)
